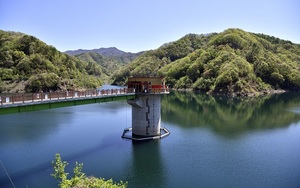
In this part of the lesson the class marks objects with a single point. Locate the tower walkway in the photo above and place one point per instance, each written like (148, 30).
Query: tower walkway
(143, 94)
(27, 102)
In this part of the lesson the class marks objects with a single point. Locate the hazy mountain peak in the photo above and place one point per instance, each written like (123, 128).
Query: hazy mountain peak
(110, 51)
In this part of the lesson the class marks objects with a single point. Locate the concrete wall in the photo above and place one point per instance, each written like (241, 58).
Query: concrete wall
(146, 116)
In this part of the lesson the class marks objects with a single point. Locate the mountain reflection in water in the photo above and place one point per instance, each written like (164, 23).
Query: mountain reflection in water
(230, 115)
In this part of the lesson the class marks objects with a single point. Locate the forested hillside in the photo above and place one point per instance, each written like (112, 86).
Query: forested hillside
(110, 59)
(28, 64)
(112, 54)
(233, 62)
(108, 64)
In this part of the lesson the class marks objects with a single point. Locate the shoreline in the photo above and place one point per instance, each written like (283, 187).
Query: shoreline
(235, 94)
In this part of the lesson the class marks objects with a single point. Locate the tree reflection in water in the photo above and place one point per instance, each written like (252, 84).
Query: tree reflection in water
(230, 115)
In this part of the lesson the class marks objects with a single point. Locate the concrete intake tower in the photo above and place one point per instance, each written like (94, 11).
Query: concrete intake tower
(146, 108)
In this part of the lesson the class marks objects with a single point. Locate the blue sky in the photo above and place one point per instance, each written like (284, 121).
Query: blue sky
(137, 25)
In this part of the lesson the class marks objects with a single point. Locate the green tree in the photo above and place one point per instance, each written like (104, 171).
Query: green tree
(25, 59)
(43, 82)
(79, 179)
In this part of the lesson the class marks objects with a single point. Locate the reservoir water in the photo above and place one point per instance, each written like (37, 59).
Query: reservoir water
(214, 142)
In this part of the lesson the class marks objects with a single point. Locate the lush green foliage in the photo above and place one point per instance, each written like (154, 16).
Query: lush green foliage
(150, 62)
(233, 62)
(79, 178)
(110, 59)
(111, 54)
(108, 64)
(28, 63)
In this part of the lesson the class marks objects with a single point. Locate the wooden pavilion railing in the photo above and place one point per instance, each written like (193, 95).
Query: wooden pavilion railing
(18, 98)
(21, 98)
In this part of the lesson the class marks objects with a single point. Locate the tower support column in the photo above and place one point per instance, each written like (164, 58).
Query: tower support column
(146, 116)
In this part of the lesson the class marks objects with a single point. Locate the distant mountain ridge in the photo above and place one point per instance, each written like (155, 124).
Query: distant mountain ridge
(103, 51)
(110, 59)
(123, 57)
(108, 64)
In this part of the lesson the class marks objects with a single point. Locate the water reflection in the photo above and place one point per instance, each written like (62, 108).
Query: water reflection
(230, 115)
(190, 157)
(147, 165)
(29, 141)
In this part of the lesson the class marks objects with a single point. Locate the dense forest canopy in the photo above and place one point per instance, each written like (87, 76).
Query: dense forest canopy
(108, 64)
(28, 64)
(233, 62)
(110, 59)
(111, 53)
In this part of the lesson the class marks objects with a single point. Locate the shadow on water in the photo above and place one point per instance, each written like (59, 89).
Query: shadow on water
(35, 125)
(146, 164)
(46, 168)
(27, 129)
(230, 115)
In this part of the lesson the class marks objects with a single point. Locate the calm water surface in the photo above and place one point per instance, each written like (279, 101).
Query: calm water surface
(214, 142)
